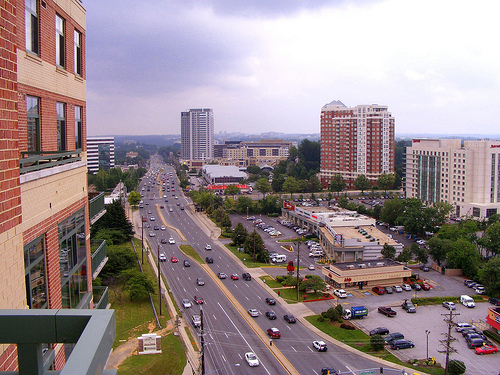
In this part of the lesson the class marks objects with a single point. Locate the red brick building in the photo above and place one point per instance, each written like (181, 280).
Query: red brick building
(45, 260)
(356, 141)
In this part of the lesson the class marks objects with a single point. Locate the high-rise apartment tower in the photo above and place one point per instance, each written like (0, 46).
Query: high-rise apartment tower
(197, 134)
(356, 141)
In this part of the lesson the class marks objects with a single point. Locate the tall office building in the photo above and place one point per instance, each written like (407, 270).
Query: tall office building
(100, 153)
(45, 260)
(197, 134)
(356, 141)
(466, 176)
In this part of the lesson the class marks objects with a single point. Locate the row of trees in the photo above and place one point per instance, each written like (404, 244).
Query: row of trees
(105, 180)
(384, 182)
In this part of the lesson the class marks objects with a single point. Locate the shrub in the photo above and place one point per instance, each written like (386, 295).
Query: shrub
(456, 367)
(377, 342)
(321, 319)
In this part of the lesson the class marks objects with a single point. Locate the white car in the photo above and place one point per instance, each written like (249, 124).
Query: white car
(340, 293)
(208, 247)
(152, 234)
(397, 288)
(320, 346)
(171, 241)
(406, 287)
(252, 359)
(186, 303)
(253, 313)
(163, 227)
(163, 258)
(311, 267)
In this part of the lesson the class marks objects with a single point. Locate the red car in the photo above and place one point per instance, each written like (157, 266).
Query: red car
(174, 260)
(274, 333)
(379, 290)
(199, 300)
(486, 349)
(234, 276)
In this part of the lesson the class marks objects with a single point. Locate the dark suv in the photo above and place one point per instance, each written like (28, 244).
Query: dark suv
(393, 337)
(401, 344)
(209, 259)
(246, 276)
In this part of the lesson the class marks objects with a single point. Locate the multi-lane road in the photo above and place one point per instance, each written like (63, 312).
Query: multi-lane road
(229, 331)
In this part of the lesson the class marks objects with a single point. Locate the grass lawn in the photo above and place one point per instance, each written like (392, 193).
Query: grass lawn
(189, 250)
(290, 295)
(271, 282)
(361, 341)
(246, 258)
(171, 362)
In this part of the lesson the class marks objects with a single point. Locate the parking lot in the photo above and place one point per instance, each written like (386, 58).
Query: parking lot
(430, 318)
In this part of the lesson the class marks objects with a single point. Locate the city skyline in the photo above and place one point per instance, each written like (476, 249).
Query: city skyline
(262, 66)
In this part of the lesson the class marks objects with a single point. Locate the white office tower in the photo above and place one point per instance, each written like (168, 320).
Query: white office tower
(197, 134)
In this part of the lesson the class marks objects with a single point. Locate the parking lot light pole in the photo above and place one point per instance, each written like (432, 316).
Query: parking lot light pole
(427, 333)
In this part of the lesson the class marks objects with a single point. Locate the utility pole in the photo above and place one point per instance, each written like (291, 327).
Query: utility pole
(202, 342)
(254, 242)
(298, 267)
(142, 239)
(448, 339)
(159, 277)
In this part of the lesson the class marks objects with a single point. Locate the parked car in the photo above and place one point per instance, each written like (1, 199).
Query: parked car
(474, 343)
(486, 349)
(426, 286)
(409, 307)
(379, 331)
(494, 301)
(393, 336)
(397, 288)
(289, 318)
(406, 287)
(479, 289)
(387, 311)
(320, 346)
(274, 333)
(340, 293)
(379, 290)
(449, 305)
(401, 344)
(461, 326)
(388, 290)
(271, 315)
(416, 286)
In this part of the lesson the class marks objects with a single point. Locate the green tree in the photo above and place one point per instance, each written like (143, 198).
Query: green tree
(120, 258)
(456, 367)
(312, 283)
(377, 343)
(343, 202)
(463, 254)
(253, 169)
(134, 198)
(414, 218)
(422, 255)
(243, 203)
(263, 186)
(291, 186)
(489, 276)
(405, 255)
(386, 181)
(314, 184)
(491, 238)
(270, 204)
(362, 183)
(438, 248)
(337, 184)
(392, 210)
(114, 218)
(388, 252)
(232, 190)
(254, 245)
(239, 234)
(138, 285)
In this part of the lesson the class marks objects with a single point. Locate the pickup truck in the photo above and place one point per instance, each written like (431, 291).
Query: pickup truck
(387, 311)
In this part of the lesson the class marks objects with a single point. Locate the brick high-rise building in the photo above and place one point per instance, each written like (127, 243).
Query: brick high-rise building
(197, 134)
(45, 260)
(356, 141)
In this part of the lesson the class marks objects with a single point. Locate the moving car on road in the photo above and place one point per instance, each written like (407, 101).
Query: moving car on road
(289, 318)
(163, 258)
(274, 333)
(251, 359)
(174, 260)
(198, 300)
(253, 313)
(234, 276)
(271, 315)
(186, 303)
(221, 275)
(320, 346)
(200, 281)
(270, 301)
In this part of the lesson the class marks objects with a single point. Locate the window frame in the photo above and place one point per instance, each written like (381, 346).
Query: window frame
(31, 27)
(77, 39)
(61, 126)
(78, 128)
(33, 124)
(60, 41)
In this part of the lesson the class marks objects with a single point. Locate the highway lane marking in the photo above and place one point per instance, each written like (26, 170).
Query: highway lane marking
(243, 337)
(348, 369)
(309, 348)
(293, 348)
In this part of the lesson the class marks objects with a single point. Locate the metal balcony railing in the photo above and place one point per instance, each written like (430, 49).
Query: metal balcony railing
(35, 161)
(98, 254)
(101, 296)
(97, 208)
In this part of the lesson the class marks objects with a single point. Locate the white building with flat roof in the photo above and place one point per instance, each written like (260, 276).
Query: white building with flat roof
(100, 153)
(466, 176)
(197, 134)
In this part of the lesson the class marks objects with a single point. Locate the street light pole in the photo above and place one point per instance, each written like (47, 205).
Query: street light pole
(142, 239)
(159, 277)
(427, 333)
(298, 267)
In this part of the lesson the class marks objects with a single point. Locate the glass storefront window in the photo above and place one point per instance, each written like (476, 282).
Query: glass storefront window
(35, 274)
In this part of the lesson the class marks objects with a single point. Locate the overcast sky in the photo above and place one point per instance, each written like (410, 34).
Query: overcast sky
(270, 65)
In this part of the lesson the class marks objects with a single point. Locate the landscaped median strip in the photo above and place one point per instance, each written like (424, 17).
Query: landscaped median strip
(162, 219)
(251, 322)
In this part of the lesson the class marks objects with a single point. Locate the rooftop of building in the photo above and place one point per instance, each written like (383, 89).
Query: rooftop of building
(365, 264)
(223, 171)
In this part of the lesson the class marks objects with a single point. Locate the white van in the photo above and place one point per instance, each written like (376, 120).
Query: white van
(467, 301)
(316, 253)
(279, 258)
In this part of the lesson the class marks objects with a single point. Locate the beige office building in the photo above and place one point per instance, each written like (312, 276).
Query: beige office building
(467, 176)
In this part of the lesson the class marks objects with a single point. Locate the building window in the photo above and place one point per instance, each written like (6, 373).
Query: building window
(31, 25)
(35, 275)
(61, 126)
(73, 259)
(476, 211)
(60, 61)
(78, 53)
(78, 127)
(33, 122)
